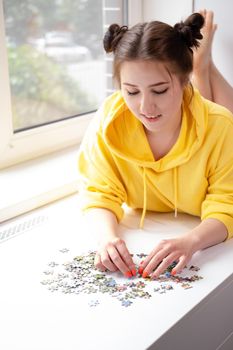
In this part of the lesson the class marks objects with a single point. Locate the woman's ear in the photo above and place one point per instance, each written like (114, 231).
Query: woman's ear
(186, 81)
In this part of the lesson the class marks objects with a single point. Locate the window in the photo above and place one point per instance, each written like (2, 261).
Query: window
(54, 72)
(55, 59)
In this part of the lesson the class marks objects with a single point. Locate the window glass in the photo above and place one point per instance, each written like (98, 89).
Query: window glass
(55, 57)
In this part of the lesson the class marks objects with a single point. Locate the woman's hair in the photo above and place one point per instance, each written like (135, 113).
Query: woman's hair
(156, 41)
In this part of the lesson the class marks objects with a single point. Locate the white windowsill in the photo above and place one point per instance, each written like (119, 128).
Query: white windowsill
(37, 182)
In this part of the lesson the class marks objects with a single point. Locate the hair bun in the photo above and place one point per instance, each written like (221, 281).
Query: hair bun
(113, 36)
(189, 30)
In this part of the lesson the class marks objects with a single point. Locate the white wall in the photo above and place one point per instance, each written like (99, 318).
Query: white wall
(170, 11)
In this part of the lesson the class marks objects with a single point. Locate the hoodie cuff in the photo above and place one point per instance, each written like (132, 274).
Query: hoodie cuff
(225, 219)
(113, 207)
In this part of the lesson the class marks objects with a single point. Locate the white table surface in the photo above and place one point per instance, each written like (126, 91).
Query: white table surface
(33, 318)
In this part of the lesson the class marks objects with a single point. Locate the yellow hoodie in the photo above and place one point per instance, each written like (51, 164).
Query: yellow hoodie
(116, 164)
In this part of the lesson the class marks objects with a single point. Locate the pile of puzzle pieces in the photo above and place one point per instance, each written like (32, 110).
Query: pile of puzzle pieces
(80, 276)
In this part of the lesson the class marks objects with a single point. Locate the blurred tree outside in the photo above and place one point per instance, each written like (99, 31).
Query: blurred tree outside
(41, 87)
(33, 18)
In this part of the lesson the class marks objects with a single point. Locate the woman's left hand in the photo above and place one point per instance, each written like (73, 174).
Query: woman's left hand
(165, 253)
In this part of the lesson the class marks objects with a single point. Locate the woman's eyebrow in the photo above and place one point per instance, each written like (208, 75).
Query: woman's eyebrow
(156, 84)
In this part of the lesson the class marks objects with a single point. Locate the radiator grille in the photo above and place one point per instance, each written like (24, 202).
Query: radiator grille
(11, 230)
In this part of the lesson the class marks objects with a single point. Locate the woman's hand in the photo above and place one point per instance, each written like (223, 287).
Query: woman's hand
(208, 233)
(113, 255)
(165, 253)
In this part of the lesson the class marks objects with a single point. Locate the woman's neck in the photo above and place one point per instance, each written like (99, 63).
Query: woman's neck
(161, 143)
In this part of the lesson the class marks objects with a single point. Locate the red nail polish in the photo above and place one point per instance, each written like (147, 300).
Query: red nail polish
(140, 270)
(145, 274)
(173, 273)
(128, 274)
(133, 272)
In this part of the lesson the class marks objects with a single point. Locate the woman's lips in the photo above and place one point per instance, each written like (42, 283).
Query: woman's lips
(153, 119)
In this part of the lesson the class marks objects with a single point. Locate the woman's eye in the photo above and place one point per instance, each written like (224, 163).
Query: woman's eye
(159, 92)
(131, 93)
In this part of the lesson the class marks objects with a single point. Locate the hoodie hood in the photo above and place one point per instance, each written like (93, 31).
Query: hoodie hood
(122, 131)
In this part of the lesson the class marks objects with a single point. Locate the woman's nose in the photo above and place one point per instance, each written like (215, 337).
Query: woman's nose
(147, 107)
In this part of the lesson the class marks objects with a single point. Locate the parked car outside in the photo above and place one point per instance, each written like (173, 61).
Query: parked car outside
(61, 47)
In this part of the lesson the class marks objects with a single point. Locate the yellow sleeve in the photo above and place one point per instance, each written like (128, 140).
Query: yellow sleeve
(100, 185)
(218, 203)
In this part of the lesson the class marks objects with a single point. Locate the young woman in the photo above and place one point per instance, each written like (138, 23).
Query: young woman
(156, 144)
(206, 76)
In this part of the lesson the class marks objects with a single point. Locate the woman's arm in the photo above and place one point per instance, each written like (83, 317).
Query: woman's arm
(112, 253)
(181, 249)
(210, 232)
(102, 194)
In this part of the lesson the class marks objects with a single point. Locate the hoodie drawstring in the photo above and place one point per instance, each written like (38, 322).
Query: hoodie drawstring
(175, 191)
(144, 199)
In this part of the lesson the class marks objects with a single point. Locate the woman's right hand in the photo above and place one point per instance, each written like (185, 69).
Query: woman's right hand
(113, 255)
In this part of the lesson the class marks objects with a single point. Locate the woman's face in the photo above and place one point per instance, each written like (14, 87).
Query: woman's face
(152, 94)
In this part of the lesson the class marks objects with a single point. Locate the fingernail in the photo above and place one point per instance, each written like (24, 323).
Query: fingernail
(128, 274)
(173, 273)
(141, 262)
(133, 272)
(145, 274)
(140, 270)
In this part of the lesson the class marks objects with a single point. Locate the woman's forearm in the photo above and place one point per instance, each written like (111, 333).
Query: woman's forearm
(112, 253)
(102, 223)
(210, 232)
